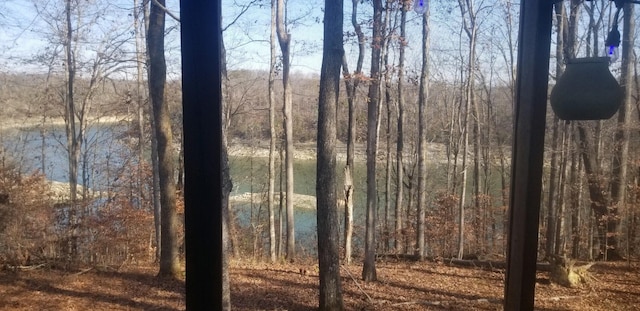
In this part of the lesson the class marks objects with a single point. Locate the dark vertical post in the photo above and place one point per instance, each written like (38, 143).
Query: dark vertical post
(528, 147)
(202, 122)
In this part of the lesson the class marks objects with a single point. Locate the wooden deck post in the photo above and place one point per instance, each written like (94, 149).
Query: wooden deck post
(528, 148)
(202, 124)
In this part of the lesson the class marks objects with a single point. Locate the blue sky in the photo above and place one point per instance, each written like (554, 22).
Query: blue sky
(24, 34)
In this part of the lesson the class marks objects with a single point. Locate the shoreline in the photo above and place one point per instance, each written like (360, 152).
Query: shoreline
(302, 151)
(15, 124)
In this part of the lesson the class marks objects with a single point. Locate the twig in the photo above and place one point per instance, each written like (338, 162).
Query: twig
(357, 284)
(26, 267)
(428, 303)
(558, 298)
(84, 271)
(441, 303)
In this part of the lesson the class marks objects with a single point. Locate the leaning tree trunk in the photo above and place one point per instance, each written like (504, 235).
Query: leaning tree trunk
(169, 261)
(599, 202)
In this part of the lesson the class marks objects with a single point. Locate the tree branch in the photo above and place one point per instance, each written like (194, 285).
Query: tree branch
(242, 11)
(155, 2)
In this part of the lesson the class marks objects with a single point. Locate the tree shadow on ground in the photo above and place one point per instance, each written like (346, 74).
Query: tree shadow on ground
(447, 295)
(455, 275)
(272, 293)
(49, 291)
(168, 284)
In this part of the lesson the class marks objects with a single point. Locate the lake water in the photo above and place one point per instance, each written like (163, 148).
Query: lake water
(103, 154)
(251, 175)
(107, 156)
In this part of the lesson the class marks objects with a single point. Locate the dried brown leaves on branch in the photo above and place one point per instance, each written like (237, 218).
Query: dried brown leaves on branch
(26, 218)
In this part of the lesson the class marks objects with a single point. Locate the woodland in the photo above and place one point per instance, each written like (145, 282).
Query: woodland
(379, 180)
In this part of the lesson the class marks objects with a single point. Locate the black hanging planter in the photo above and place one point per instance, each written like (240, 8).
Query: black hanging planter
(586, 91)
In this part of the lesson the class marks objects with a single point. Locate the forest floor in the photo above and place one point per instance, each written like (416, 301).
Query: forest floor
(260, 286)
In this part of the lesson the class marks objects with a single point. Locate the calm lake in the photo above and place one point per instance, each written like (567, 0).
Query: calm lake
(107, 155)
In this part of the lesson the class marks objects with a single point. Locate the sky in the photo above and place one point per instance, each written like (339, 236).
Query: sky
(250, 34)
(24, 33)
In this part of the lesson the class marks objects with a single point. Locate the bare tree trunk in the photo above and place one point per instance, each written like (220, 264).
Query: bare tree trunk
(284, 39)
(388, 102)
(551, 202)
(477, 141)
(575, 180)
(509, 58)
(227, 186)
(606, 210)
(139, 92)
(272, 135)
(231, 234)
(229, 242)
(463, 186)
(369, 267)
(327, 216)
(73, 141)
(599, 203)
(351, 85)
(621, 137)
(141, 60)
(400, 123)
(423, 95)
(169, 261)
(155, 189)
(470, 28)
(280, 203)
(388, 157)
(560, 239)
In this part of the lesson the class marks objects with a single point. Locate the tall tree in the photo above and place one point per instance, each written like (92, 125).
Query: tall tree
(74, 28)
(351, 84)
(401, 101)
(228, 245)
(551, 202)
(423, 95)
(621, 136)
(470, 27)
(74, 139)
(373, 103)
(272, 135)
(169, 261)
(227, 186)
(606, 207)
(327, 215)
(284, 39)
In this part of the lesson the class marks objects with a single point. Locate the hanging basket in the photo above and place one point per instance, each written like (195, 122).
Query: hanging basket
(586, 91)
